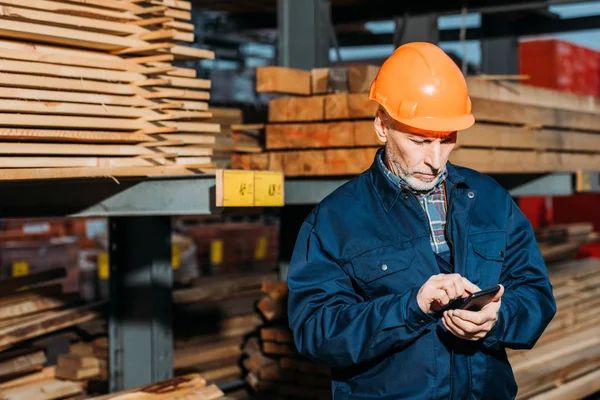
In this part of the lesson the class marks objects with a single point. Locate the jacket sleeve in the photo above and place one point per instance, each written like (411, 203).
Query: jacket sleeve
(528, 304)
(333, 325)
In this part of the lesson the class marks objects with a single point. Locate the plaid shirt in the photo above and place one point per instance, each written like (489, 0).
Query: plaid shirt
(434, 205)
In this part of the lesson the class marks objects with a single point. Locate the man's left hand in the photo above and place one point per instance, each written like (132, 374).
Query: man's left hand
(471, 325)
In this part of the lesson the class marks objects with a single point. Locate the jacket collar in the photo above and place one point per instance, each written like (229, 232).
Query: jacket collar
(388, 192)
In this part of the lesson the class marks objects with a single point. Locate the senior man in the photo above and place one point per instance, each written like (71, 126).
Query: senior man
(376, 262)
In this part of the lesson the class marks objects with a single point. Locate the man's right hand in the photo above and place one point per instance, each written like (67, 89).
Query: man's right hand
(442, 289)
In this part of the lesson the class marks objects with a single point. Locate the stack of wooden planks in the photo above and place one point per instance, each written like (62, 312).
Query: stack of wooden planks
(211, 319)
(321, 123)
(35, 316)
(563, 242)
(188, 387)
(272, 364)
(90, 88)
(565, 363)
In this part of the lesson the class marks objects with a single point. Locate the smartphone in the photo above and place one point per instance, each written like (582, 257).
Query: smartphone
(475, 301)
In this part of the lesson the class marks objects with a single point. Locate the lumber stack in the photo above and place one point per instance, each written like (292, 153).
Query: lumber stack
(565, 363)
(563, 242)
(321, 123)
(272, 364)
(189, 387)
(211, 319)
(91, 89)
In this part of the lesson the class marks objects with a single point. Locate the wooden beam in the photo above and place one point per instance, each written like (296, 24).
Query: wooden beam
(46, 121)
(81, 136)
(190, 53)
(180, 4)
(70, 21)
(143, 47)
(54, 108)
(200, 127)
(122, 5)
(191, 83)
(44, 82)
(158, 159)
(184, 26)
(177, 71)
(65, 36)
(42, 68)
(73, 97)
(90, 12)
(181, 36)
(306, 136)
(272, 79)
(151, 21)
(61, 55)
(290, 109)
(178, 94)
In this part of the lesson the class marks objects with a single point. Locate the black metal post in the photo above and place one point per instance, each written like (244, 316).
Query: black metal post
(140, 324)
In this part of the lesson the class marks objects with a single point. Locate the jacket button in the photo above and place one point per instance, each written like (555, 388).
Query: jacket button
(501, 253)
(471, 195)
(383, 267)
(405, 197)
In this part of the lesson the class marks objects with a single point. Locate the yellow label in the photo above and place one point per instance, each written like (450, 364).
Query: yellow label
(268, 189)
(585, 182)
(261, 248)
(238, 188)
(175, 257)
(20, 268)
(216, 252)
(103, 266)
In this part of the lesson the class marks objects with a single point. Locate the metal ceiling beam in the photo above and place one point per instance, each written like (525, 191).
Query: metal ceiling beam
(533, 26)
(378, 10)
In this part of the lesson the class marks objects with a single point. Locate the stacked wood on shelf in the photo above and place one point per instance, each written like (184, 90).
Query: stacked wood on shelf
(565, 363)
(35, 316)
(91, 89)
(211, 319)
(188, 387)
(321, 123)
(272, 364)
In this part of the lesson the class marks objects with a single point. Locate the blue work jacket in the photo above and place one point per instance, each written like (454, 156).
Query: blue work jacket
(360, 259)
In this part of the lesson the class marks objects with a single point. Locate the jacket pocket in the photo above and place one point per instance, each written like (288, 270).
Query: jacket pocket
(490, 251)
(380, 271)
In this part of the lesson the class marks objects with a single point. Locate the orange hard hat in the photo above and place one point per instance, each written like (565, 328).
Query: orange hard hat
(422, 87)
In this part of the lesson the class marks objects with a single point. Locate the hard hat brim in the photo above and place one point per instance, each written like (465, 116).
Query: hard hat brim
(439, 124)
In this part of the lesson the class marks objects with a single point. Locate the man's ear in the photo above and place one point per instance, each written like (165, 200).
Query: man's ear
(380, 128)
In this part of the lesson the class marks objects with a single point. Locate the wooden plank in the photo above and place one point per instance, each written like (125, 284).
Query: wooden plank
(336, 106)
(291, 109)
(190, 53)
(178, 94)
(65, 36)
(359, 106)
(151, 21)
(23, 106)
(504, 161)
(272, 79)
(79, 85)
(181, 36)
(142, 48)
(191, 138)
(159, 390)
(511, 137)
(191, 105)
(576, 389)
(180, 4)
(532, 96)
(157, 35)
(122, 5)
(535, 116)
(78, 136)
(44, 374)
(73, 97)
(60, 55)
(189, 114)
(327, 162)
(191, 83)
(46, 121)
(319, 80)
(33, 174)
(57, 162)
(304, 136)
(48, 389)
(69, 21)
(192, 126)
(360, 77)
(72, 9)
(78, 149)
(178, 14)
(178, 71)
(184, 26)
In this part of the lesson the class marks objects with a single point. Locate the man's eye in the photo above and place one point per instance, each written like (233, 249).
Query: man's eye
(420, 143)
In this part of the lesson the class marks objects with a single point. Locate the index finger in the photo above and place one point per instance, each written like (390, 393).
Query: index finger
(469, 286)
(475, 317)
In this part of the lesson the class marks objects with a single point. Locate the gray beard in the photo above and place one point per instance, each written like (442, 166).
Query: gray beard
(414, 183)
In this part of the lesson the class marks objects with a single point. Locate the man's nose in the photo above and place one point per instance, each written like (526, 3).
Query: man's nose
(433, 156)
